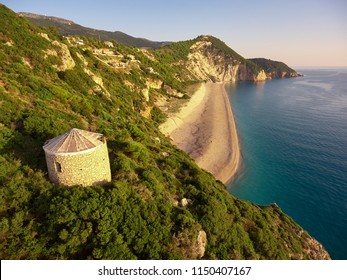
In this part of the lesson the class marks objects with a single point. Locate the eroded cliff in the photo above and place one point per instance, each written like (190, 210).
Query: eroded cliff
(208, 61)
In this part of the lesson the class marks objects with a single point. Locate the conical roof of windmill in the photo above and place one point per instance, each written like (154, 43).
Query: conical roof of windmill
(73, 141)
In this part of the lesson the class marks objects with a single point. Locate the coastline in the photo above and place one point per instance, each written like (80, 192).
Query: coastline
(205, 129)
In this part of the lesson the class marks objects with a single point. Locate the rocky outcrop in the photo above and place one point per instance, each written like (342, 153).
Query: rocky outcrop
(151, 84)
(201, 243)
(66, 58)
(98, 80)
(45, 35)
(207, 62)
(154, 83)
(261, 76)
(190, 245)
(282, 74)
(172, 92)
(61, 51)
(146, 112)
(205, 65)
(159, 84)
(313, 250)
(209, 59)
(275, 69)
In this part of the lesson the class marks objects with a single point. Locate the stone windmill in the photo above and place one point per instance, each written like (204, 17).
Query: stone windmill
(78, 157)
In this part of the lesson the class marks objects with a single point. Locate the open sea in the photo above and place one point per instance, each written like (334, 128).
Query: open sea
(293, 135)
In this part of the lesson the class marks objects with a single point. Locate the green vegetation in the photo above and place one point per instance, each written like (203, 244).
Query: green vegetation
(170, 60)
(137, 215)
(231, 53)
(175, 52)
(70, 28)
(276, 69)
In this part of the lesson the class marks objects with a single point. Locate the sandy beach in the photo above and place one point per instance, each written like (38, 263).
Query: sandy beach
(205, 129)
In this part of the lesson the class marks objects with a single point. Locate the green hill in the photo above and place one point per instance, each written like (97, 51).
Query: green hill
(50, 84)
(67, 27)
(275, 69)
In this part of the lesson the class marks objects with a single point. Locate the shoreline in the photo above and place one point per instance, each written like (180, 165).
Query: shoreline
(205, 129)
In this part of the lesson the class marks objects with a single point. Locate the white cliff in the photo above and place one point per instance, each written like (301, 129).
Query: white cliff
(207, 62)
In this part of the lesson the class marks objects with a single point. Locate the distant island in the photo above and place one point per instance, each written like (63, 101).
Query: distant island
(159, 203)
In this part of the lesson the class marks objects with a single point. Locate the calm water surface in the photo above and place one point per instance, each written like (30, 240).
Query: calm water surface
(293, 135)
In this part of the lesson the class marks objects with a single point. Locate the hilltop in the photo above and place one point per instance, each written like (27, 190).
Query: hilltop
(275, 69)
(160, 204)
(68, 27)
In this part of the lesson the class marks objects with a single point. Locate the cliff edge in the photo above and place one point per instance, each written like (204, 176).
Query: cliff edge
(207, 58)
(211, 60)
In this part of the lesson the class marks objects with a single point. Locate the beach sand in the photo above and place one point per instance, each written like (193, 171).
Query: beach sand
(205, 129)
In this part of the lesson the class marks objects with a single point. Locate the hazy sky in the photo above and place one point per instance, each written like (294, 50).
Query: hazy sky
(299, 33)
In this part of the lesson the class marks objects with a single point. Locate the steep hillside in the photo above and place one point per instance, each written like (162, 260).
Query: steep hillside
(68, 27)
(275, 69)
(209, 59)
(159, 205)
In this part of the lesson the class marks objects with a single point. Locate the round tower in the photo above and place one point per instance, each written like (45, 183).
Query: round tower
(78, 157)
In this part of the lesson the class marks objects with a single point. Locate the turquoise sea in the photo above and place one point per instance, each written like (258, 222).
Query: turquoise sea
(293, 135)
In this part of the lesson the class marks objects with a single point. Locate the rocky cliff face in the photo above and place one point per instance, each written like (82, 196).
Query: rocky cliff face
(207, 62)
(210, 59)
(284, 74)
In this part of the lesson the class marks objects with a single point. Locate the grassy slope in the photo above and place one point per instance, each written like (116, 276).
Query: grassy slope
(135, 215)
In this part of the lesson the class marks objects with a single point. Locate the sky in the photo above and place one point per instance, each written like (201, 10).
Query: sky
(297, 32)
